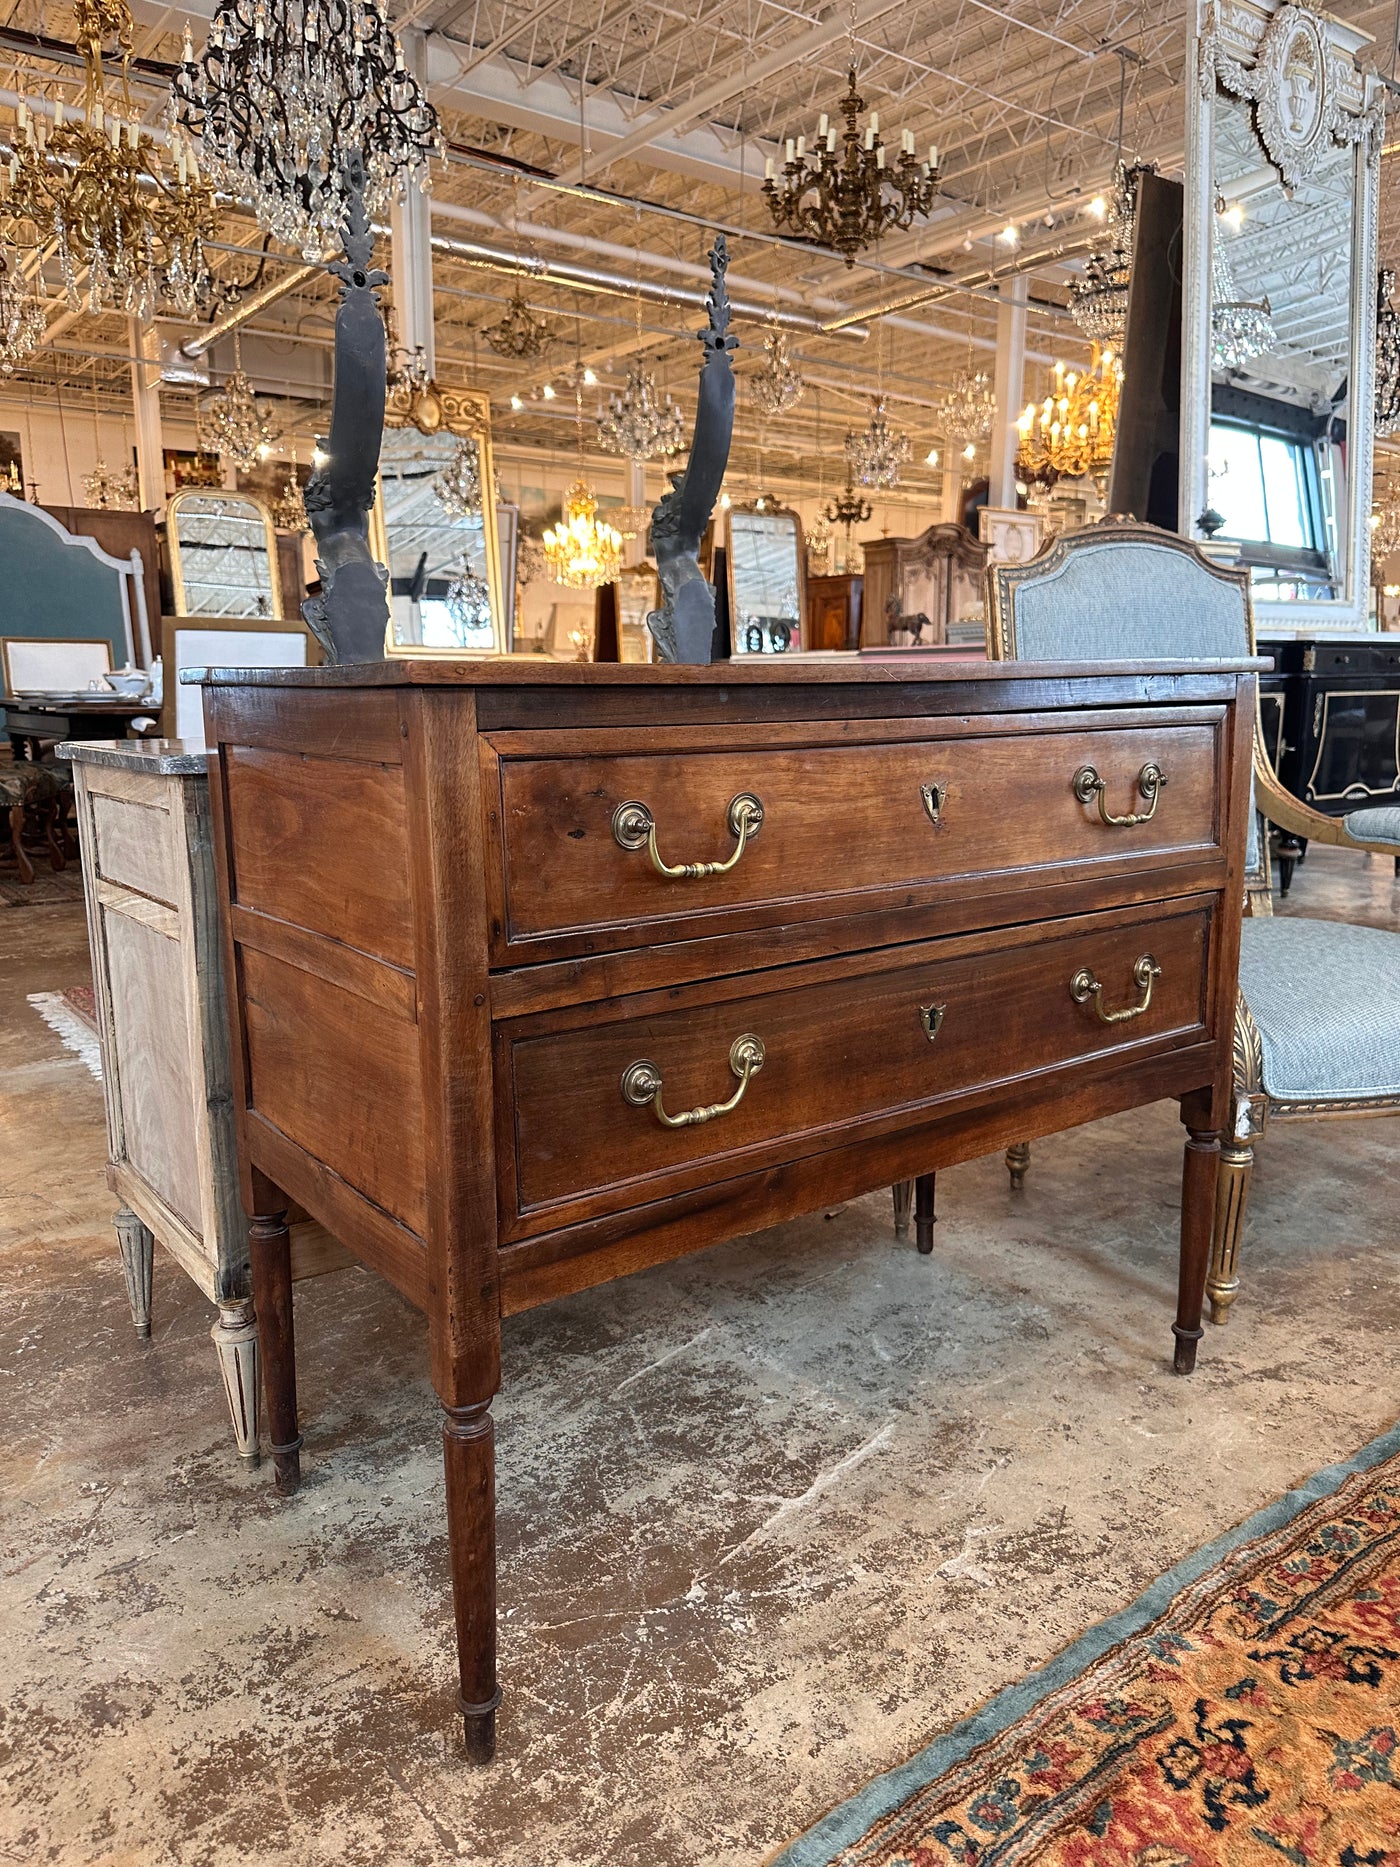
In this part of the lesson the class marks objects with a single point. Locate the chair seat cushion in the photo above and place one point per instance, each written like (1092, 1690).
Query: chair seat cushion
(1378, 825)
(1326, 999)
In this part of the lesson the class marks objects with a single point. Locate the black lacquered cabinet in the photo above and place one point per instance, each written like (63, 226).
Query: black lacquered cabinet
(1331, 720)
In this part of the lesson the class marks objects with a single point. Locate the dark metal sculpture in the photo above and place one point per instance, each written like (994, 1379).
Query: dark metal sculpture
(350, 616)
(684, 626)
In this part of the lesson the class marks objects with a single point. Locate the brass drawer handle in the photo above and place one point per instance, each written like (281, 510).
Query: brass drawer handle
(1084, 986)
(634, 827)
(641, 1083)
(1088, 786)
(935, 796)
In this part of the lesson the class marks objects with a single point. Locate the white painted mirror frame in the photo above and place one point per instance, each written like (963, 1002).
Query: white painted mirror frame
(1226, 37)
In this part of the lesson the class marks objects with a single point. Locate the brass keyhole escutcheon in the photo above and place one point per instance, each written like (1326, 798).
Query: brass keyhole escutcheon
(934, 796)
(931, 1018)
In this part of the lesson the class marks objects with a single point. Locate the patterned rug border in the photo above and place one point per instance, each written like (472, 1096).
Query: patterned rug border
(849, 1821)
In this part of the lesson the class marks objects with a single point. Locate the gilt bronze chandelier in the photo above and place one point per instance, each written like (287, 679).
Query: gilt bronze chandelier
(1071, 433)
(844, 197)
(582, 550)
(126, 225)
(519, 334)
(283, 96)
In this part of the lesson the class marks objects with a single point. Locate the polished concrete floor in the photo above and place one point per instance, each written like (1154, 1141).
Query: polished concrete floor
(770, 1517)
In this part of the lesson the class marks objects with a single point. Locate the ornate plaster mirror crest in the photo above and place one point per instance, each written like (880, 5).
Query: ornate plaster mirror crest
(1296, 84)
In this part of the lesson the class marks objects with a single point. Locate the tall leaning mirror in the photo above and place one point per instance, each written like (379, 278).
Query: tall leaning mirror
(1279, 320)
(223, 555)
(436, 526)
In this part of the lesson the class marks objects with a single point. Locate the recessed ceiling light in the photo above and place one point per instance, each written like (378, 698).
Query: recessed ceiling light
(1098, 207)
(590, 376)
(931, 457)
(516, 403)
(1233, 216)
(1009, 234)
(724, 501)
(970, 451)
(548, 392)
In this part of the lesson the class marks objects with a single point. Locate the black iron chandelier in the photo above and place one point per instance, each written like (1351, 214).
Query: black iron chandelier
(284, 94)
(844, 193)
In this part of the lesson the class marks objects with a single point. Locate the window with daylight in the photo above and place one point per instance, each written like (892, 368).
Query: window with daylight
(1267, 487)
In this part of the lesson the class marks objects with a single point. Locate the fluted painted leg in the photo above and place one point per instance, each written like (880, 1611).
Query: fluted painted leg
(270, 1250)
(924, 1216)
(469, 1460)
(137, 1246)
(1198, 1176)
(1231, 1199)
(235, 1338)
(903, 1206)
(1018, 1160)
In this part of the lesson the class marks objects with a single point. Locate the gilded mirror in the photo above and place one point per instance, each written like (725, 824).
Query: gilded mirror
(1279, 312)
(223, 555)
(446, 594)
(766, 568)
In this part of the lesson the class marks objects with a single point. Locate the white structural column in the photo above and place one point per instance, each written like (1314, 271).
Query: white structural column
(145, 400)
(636, 548)
(410, 233)
(1010, 386)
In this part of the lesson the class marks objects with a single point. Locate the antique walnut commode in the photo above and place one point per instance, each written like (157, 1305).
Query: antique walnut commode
(545, 973)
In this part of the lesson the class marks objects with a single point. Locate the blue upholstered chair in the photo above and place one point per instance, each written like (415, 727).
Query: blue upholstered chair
(1317, 1026)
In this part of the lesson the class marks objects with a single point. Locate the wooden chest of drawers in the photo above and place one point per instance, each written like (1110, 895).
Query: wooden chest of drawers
(546, 973)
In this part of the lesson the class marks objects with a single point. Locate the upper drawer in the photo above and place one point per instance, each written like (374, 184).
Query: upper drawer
(848, 1046)
(845, 826)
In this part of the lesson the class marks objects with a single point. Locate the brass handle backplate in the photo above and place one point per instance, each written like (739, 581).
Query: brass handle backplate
(634, 827)
(1089, 787)
(935, 796)
(1084, 986)
(641, 1084)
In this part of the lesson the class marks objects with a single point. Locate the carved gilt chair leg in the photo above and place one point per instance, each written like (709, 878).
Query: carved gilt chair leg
(235, 1339)
(137, 1246)
(270, 1250)
(1231, 1198)
(903, 1206)
(469, 1462)
(924, 1216)
(1018, 1160)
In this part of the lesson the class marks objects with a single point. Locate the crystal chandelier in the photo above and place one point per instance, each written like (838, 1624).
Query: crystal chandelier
(231, 425)
(91, 185)
(285, 93)
(582, 551)
(968, 411)
(1240, 328)
(1071, 433)
(457, 487)
(21, 316)
(519, 335)
(845, 199)
(778, 385)
(289, 511)
(638, 425)
(876, 455)
(530, 561)
(1387, 355)
(110, 491)
(469, 602)
(1098, 302)
(819, 544)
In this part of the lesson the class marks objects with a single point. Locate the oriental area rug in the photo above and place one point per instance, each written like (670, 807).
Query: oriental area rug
(1244, 1712)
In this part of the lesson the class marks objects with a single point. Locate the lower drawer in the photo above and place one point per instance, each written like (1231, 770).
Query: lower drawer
(838, 1045)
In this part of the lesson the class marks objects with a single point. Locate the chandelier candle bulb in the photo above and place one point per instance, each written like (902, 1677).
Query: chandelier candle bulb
(823, 124)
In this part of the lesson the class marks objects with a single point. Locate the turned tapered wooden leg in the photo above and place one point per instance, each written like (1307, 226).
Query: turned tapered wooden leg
(1231, 1199)
(1197, 1217)
(924, 1216)
(235, 1338)
(25, 866)
(469, 1459)
(1018, 1160)
(903, 1206)
(270, 1250)
(137, 1246)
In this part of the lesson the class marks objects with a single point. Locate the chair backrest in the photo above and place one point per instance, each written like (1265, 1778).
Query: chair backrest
(38, 664)
(1120, 591)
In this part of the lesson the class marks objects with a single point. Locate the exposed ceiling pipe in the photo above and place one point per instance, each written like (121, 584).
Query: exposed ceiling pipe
(204, 341)
(984, 278)
(596, 279)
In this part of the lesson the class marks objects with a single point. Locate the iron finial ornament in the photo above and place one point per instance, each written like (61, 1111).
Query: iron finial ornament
(684, 626)
(350, 616)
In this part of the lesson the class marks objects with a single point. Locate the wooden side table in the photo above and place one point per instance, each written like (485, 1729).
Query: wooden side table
(546, 973)
(158, 975)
